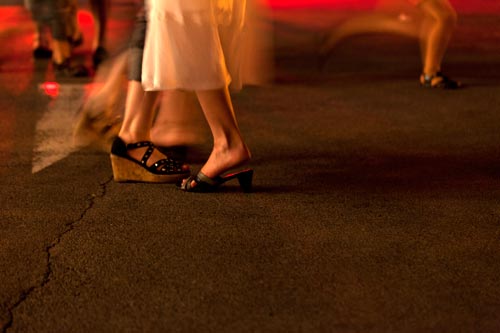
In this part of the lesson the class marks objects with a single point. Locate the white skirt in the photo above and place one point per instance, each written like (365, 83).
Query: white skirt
(193, 44)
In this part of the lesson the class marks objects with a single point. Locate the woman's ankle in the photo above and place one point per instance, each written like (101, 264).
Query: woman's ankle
(225, 158)
(131, 137)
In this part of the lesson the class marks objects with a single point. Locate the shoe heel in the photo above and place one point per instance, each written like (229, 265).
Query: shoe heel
(245, 179)
(123, 169)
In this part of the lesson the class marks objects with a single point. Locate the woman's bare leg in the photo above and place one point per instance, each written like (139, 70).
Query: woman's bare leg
(138, 119)
(73, 29)
(229, 149)
(138, 115)
(61, 50)
(440, 21)
(179, 121)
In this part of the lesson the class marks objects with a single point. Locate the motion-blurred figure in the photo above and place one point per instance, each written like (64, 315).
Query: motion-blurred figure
(57, 15)
(433, 25)
(100, 10)
(100, 117)
(61, 15)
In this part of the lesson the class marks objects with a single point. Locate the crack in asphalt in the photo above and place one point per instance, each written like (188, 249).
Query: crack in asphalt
(46, 276)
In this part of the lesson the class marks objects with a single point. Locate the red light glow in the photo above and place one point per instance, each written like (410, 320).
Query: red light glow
(462, 6)
(85, 18)
(350, 4)
(50, 89)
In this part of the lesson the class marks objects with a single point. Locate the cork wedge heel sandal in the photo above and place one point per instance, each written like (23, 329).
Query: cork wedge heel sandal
(128, 169)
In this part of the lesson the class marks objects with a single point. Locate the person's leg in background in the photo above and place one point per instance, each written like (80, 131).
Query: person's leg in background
(41, 16)
(61, 47)
(440, 19)
(100, 10)
(75, 35)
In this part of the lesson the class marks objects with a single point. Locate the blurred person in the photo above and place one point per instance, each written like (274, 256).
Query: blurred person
(43, 14)
(99, 119)
(56, 14)
(434, 28)
(99, 10)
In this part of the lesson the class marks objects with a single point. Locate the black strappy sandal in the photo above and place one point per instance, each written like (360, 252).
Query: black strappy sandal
(439, 81)
(205, 184)
(128, 169)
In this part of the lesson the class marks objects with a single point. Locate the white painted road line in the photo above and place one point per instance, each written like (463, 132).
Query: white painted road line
(54, 131)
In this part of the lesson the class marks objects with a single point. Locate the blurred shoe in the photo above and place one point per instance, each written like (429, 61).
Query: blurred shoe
(42, 53)
(75, 42)
(100, 55)
(439, 81)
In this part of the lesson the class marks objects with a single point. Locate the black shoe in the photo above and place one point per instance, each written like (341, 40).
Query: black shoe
(439, 81)
(42, 53)
(205, 184)
(100, 55)
(128, 169)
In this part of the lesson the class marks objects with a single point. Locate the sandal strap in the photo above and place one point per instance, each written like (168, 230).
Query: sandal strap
(203, 183)
(202, 178)
(139, 144)
(167, 165)
(142, 144)
(163, 166)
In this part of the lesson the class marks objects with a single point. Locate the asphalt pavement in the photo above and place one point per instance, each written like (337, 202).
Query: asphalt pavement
(376, 203)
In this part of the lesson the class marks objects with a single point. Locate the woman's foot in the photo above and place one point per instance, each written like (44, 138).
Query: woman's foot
(156, 155)
(438, 80)
(222, 160)
(202, 184)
